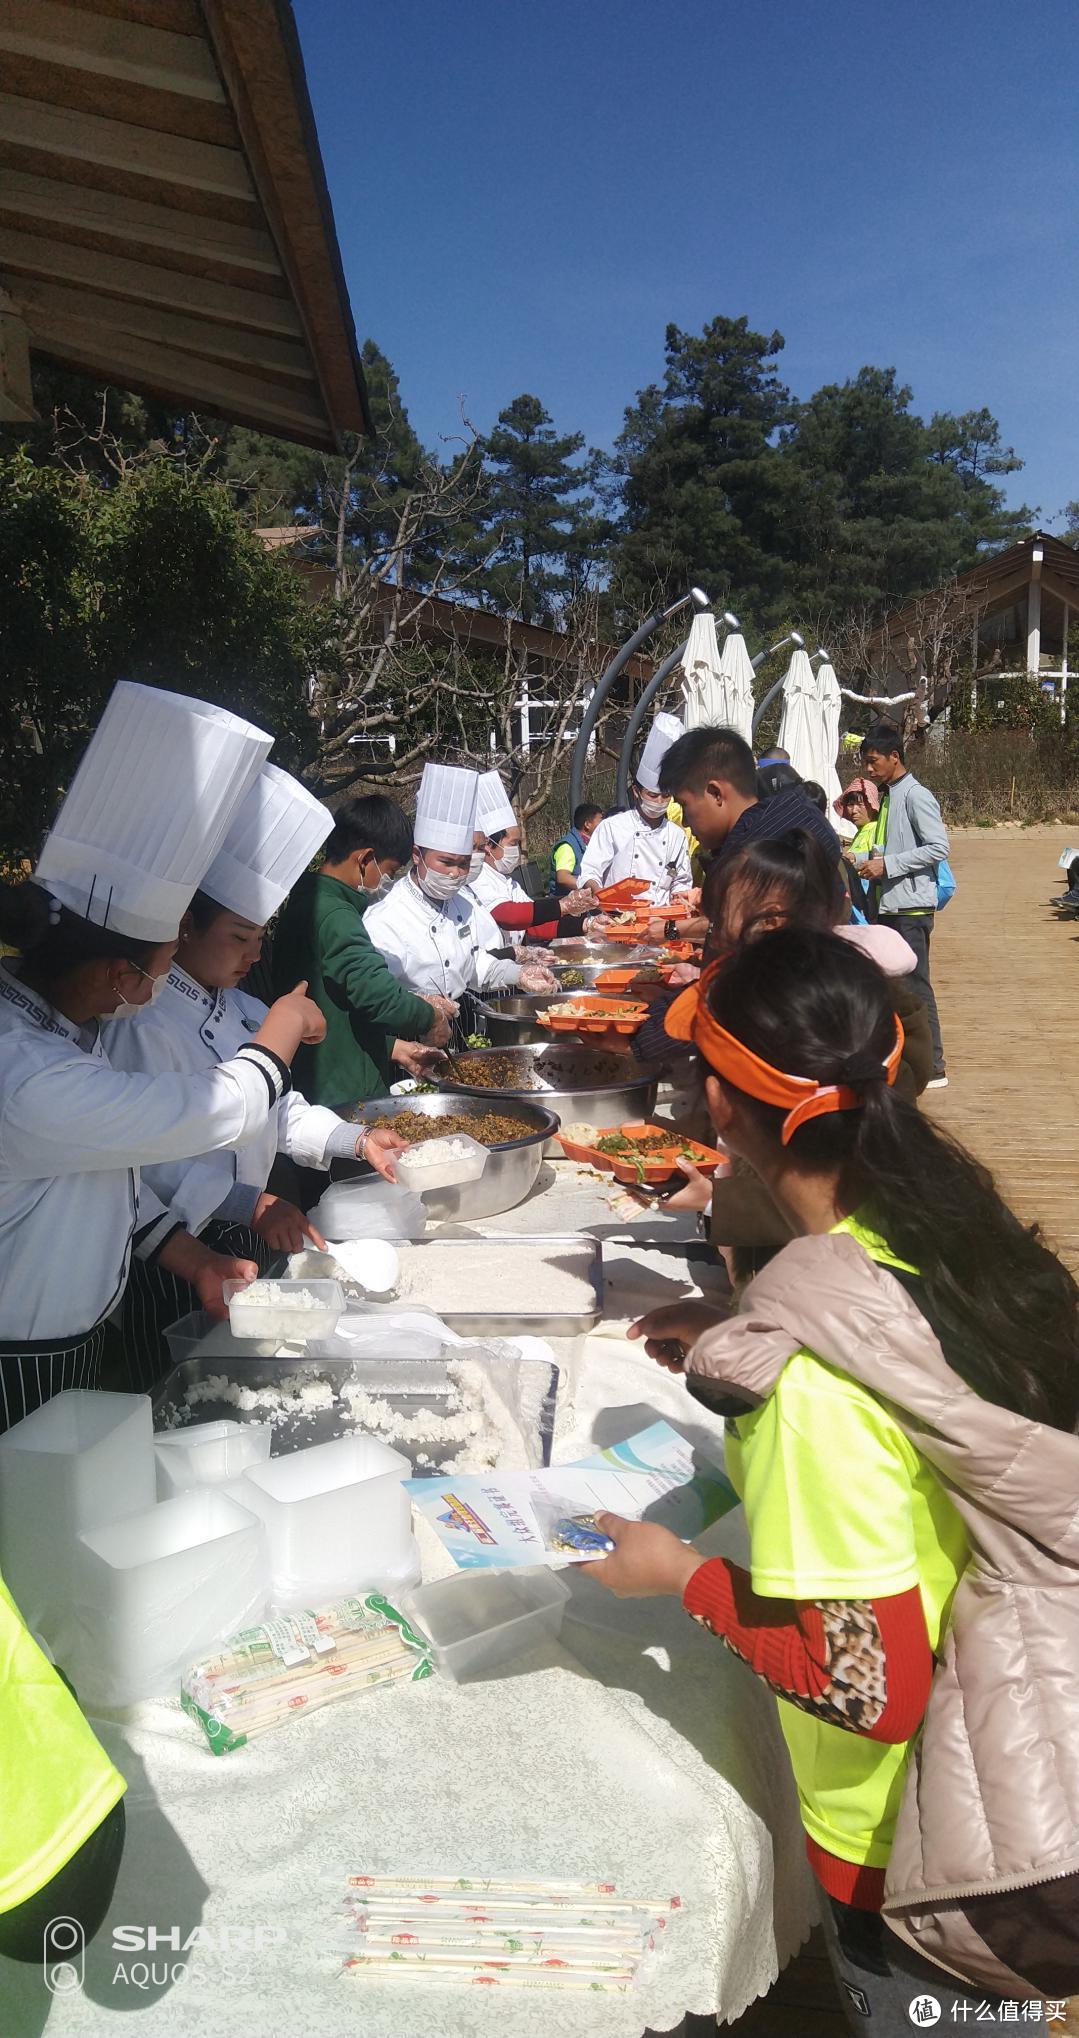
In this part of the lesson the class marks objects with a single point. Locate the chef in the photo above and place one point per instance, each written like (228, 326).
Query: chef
(432, 933)
(643, 843)
(200, 1020)
(492, 884)
(95, 933)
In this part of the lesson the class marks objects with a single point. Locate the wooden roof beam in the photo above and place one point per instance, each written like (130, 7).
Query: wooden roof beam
(83, 40)
(82, 207)
(138, 151)
(49, 304)
(206, 385)
(179, 289)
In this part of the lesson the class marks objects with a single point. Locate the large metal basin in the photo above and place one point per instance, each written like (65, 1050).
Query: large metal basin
(606, 954)
(512, 1168)
(512, 1020)
(577, 1082)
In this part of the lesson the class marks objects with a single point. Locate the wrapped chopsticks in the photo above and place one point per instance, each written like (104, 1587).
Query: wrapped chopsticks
(520, 1934)
(297, 1663)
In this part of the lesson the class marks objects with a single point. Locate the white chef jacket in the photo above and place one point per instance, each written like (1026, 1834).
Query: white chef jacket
(189, 1030)
(625, 846)
(440, 947)
(491, 888)
(73, 1134)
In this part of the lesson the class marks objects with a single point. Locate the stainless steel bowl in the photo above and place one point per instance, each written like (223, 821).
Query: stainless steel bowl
(512, 1168)
(588, 970)
(606, 954)
(577, 1082)
(512, 1020)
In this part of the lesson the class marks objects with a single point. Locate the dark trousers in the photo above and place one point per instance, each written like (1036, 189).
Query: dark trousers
(917, 932)
(886, 1990)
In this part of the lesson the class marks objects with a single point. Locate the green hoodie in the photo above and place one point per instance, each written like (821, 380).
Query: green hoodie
(320, 936)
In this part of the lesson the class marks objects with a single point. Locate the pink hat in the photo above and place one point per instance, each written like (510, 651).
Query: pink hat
(870, 794)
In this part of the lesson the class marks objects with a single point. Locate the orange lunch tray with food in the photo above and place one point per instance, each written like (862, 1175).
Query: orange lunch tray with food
(675, 909)
(637, 1153)
(680, 951)
(623, 892)
(593, 1015)
(634, 978)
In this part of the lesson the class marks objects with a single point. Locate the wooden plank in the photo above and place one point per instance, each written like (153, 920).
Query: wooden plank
(205, 385)
(45, 83)
(84, 175)
(186, 291)
(181, 16)
(56, 130)
(85, 41)
(50, 304)
(25, 196)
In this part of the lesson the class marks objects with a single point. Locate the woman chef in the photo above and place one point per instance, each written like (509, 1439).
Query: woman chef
(434, 937)
(95, 932)
(200, 1021)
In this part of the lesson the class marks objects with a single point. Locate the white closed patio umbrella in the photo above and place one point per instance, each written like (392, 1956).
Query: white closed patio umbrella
(830, 703)
(713, 684)
(800, 723)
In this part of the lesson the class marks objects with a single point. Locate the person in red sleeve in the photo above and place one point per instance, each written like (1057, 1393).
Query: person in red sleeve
(492, 883)
(856, 1545)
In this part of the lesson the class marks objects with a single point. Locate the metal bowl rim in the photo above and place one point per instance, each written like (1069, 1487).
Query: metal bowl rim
(546, 1131)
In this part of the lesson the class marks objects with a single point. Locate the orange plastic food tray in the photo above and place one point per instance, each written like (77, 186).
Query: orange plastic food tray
(657, 1169)
(624, 892)
(617, 981)
(594, 1015)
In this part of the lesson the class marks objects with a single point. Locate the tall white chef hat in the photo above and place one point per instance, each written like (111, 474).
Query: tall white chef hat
(148, 810)
(493, 811)
(269, 845)
(665, 730)
(446, 809)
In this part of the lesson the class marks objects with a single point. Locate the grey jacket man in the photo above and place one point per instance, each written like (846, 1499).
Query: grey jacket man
(914, 843)
(984, 1871)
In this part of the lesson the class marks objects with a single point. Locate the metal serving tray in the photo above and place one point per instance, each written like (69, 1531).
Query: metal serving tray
(518, 1318)
(565, 1069)
(409, 1385)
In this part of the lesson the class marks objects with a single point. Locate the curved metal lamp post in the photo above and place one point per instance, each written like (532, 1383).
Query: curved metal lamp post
(643, 705)
(606, 681)
(794, 637)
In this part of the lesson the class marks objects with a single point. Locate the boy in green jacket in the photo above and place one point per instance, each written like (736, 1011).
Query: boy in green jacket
(372, 1021)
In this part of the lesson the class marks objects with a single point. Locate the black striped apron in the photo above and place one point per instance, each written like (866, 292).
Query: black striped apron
(31, 1374)
(154, 1299)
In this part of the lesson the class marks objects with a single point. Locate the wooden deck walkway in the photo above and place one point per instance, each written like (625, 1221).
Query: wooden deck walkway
(1007, 979)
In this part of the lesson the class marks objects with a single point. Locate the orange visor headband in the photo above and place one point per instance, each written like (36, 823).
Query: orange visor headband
(804, 1098)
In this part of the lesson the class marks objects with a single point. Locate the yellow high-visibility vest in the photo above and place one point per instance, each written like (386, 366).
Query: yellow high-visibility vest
(56, 1782)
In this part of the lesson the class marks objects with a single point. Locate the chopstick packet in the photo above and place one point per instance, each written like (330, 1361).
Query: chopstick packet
(299, 1662)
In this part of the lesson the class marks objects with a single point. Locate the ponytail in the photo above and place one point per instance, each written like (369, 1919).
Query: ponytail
(1004, 1308)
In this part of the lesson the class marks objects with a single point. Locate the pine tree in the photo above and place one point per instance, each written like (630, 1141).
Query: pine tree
(538, 524)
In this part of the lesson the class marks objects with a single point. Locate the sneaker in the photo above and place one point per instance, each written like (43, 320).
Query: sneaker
(938, 1082)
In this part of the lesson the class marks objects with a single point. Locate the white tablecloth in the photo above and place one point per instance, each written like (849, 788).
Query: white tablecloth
(636, 1750)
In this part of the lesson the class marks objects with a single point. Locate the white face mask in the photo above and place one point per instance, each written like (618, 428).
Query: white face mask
(653, 808)
(508, 860)
(476, 863)
(439, 885)
(378, 891)
(126, 1010)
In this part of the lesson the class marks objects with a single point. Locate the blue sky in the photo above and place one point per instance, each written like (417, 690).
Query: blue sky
(526, 194)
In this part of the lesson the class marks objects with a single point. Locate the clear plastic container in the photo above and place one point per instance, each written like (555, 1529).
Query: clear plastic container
(369, 1208)
(290, 1312)
(81, 1460)
(479, 1620)
(337, 1516)
(430, 1165)
(158, 1588)
(208, 1454)
(198, 1333)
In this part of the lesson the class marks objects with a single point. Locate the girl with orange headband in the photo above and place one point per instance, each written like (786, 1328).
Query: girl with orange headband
(902, 1393)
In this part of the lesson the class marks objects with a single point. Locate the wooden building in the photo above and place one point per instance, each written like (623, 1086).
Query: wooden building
(164, 219)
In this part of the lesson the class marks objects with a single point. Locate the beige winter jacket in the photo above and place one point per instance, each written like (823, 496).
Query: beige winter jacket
(991, 1803)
